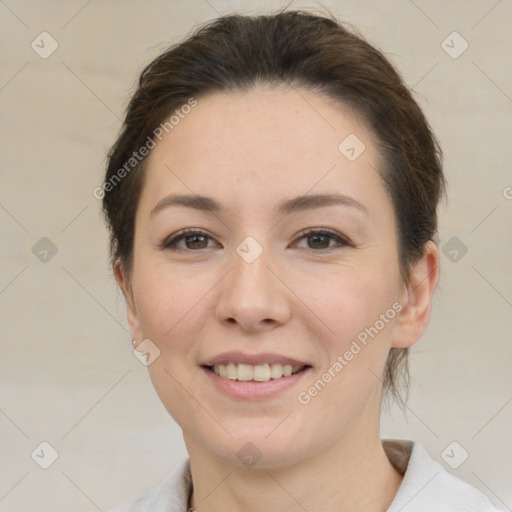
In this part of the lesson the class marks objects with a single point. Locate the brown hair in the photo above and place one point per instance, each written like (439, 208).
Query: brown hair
(299, 49)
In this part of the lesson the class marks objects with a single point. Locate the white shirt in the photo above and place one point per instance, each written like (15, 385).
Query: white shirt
(426, 486)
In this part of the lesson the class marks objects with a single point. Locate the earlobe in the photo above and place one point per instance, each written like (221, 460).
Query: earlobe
(125, 285)
(414, 317)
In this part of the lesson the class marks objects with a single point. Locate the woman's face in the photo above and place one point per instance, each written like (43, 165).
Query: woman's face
(254, 177)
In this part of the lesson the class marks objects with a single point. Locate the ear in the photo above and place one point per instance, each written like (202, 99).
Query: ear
(417, 301)
(124, 282)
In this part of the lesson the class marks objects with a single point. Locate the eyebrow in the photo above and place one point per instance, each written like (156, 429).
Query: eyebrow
(306, 202)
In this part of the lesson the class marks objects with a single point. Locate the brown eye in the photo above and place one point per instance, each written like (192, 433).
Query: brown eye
(188, 240)
(319, 241)
(322, 239)
(196, 241)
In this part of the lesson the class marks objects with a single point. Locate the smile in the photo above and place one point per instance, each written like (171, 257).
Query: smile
(256, 373)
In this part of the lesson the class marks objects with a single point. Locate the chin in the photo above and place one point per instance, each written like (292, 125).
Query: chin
(257, 444)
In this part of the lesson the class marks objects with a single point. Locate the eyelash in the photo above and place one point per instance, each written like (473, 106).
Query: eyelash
(171, 242)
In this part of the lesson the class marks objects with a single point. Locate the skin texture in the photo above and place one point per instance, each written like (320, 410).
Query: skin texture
(251, 151)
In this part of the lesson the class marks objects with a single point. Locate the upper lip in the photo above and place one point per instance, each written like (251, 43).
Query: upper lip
(252, 359)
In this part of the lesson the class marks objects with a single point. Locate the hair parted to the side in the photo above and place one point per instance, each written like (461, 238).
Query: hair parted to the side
(301, 50)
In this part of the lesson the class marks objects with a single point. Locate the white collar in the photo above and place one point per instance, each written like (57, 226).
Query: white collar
(426, 486)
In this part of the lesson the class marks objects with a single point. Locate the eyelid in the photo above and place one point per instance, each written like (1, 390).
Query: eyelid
(171, 241)
(341, 239)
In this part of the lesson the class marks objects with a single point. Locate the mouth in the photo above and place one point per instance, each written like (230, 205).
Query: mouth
(255, 373)
(254, 377)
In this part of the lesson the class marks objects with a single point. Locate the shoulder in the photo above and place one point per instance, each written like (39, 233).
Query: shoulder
(170, 496)
(427, 486)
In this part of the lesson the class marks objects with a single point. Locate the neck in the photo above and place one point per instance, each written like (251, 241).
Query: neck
(349, 475)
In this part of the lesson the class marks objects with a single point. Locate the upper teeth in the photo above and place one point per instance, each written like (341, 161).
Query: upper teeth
(260, 372)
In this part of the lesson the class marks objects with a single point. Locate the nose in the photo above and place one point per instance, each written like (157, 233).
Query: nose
(252, 297)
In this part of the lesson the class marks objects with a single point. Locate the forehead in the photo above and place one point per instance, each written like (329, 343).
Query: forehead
(271, 142)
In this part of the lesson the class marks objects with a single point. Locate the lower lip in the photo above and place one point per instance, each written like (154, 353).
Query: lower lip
(252, 390)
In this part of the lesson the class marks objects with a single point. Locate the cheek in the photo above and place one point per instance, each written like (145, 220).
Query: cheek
(169, 304)
(172, 312)
(354, 355)
(357, 307)
(350, 299)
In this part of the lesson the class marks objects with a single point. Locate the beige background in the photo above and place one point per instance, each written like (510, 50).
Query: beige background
(68, 376)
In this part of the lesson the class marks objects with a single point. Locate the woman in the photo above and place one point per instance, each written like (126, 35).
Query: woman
(272, 206)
